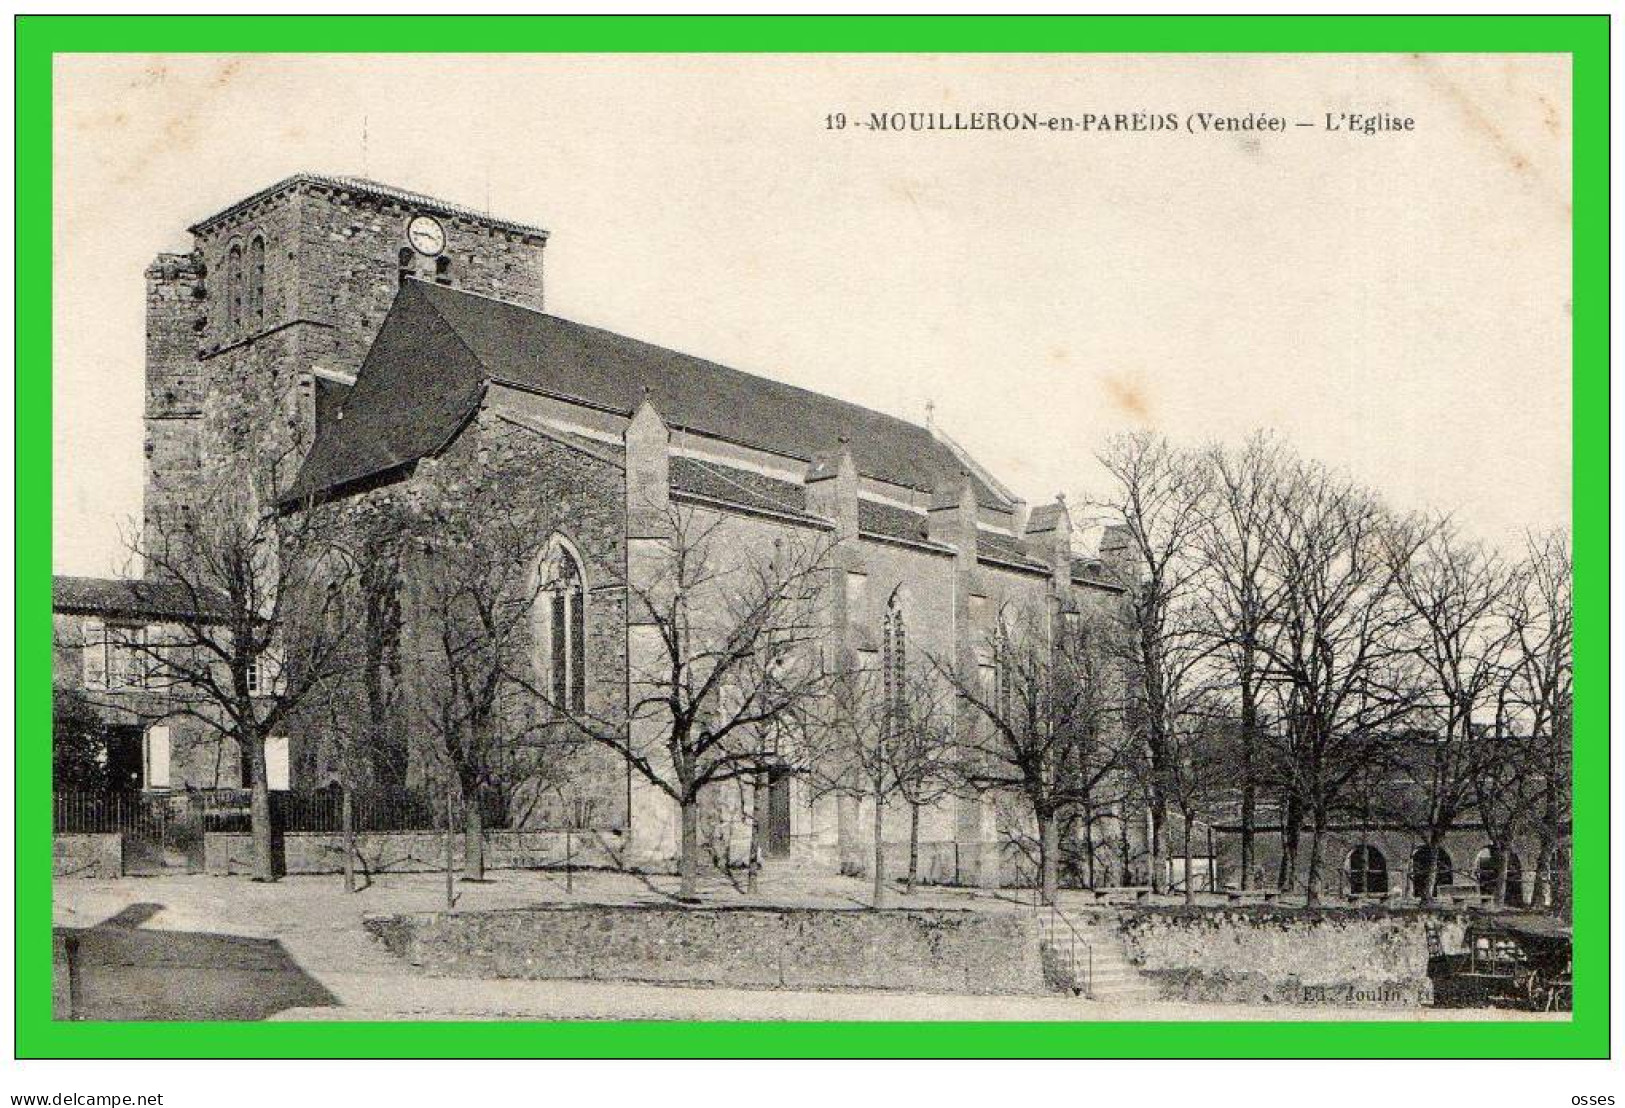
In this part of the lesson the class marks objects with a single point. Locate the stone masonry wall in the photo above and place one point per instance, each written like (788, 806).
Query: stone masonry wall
(86, 855)
(1265, 955)
(414, 851)
(567, 492)
(929, 951)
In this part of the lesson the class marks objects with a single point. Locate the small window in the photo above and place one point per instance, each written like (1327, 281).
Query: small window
(256, 279)
(442, 270)
(234, 284)
(254, 677)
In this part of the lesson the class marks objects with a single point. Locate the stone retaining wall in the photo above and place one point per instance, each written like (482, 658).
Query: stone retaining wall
(87, 855)
(413, 851)
(1265, 955)
(929, 951)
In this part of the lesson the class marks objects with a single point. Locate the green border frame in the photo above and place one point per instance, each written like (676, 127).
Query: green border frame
(1584, 37)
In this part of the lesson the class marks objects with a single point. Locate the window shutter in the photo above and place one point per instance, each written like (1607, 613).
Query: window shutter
(95, 648)
(276, 762)
(158, 756)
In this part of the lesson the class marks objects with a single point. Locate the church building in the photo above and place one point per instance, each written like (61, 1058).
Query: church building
(399, 328)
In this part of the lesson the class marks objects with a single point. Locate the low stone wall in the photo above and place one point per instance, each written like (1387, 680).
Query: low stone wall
(413, 851)
(1372, 958)
(63, 985)
(87, 855)
(930, 951)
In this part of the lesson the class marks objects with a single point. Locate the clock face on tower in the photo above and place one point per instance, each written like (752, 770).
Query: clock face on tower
(426, 236)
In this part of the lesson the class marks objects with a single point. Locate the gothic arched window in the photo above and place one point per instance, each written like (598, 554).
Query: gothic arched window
(564, 626)
(234, 284)
(894, 659)
(256, 279)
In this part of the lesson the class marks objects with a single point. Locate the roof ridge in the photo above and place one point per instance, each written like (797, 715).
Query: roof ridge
(439, 288)
(381, 189)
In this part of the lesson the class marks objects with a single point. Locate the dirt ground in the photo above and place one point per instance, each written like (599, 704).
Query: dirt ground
(202, 947)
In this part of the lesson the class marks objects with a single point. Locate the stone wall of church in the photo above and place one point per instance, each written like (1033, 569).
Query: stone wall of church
(333, 265)
(563, 491)
(176, 380)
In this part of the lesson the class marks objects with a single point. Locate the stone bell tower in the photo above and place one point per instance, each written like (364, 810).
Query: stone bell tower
(281, 295)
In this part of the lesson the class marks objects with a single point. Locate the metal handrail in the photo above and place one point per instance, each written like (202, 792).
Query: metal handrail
(1074, 939)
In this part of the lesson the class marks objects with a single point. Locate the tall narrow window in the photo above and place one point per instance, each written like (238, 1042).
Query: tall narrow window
(564, 597)
(256, 280)
(234, 284)
(894, 660)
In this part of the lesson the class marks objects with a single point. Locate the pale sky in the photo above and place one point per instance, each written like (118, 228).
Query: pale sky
(1396, 305)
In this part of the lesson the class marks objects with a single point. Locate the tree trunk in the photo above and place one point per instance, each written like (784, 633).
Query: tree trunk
(913, 847)
(1503, 858)
(1159, 843)
(451, 890)
(1048, 857)
(1292, 827)
(1541, 895)
(1190, 876)
(347, 823)
(880, 851)
(1311, 880)
(688, 863)
(1430, 873)
(758, 821)
(1127, 877)
(1089, 842)
(259, 813)
(1249, 791)
(473, 837)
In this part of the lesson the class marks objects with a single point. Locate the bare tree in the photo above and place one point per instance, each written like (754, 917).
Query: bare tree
(476, 544)
(1048, 716)
(1162, 496)
(924, 757)
(1336, 653)
(727, 669)
(1525, 775)
(1240, 598)
(264, 625)
(897, 745)
(1203, 750)
(1459, 640)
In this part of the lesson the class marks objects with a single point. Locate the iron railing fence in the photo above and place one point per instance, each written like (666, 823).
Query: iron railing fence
(229, 810)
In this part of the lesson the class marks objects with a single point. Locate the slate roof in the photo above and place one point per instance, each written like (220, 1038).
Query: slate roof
(990, 544)
(891, 522)
(368, 187)
(1045, 517)
(741, 487)
(131, 598)
(424, 375)
(1090, 571)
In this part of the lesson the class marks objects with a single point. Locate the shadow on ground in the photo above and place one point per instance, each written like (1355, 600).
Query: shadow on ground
(122, 971)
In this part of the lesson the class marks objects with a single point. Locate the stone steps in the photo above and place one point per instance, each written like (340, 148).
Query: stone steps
(1111, 975)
